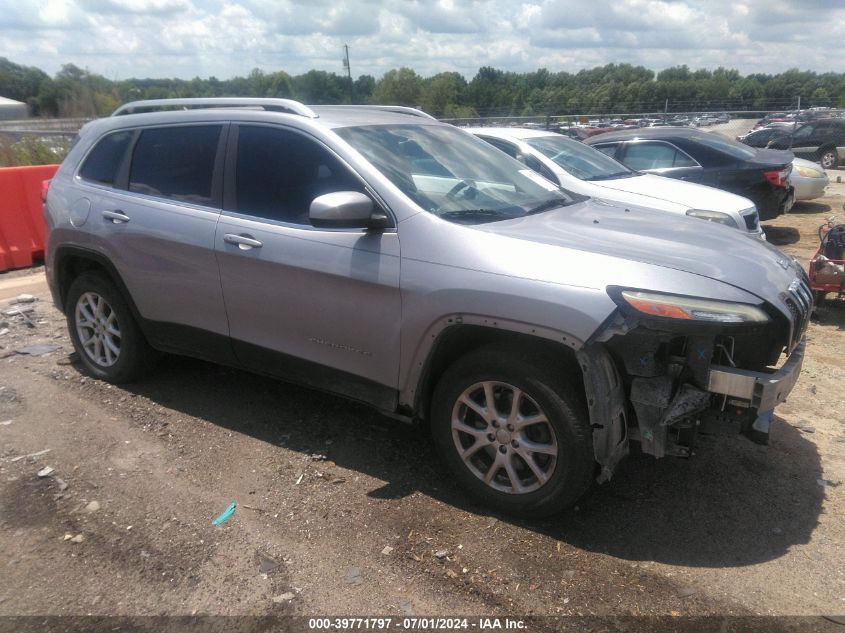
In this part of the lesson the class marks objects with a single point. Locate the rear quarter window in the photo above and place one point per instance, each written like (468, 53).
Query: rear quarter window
(103, 162)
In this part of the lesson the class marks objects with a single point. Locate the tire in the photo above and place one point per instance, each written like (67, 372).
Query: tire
(563, 462)
(104, 333)
(828, 158)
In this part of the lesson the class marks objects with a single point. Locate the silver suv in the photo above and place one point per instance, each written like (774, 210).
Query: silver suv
(376, 253)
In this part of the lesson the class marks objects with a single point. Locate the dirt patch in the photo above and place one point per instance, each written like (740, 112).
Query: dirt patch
(358, 517)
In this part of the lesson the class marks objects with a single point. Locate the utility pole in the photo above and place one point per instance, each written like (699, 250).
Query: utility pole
(348, 69)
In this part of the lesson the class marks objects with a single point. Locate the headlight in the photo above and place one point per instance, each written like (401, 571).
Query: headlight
(692, 309)
(808, 172)
(713, 216)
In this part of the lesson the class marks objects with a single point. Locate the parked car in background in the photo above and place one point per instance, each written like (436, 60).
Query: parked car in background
(577, 167)
(774, 137)
(808, 179)
(822, 140)
(387, 257)
(761, 175)
(577, 133)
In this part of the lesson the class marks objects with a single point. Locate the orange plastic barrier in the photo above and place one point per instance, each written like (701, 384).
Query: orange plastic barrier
(21, 217)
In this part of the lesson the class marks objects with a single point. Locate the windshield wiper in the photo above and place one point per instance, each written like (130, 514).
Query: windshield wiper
(473, 213)
(548, 204)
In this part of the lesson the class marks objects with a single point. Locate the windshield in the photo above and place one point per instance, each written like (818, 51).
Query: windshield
(454, 175)
(578, 159)
(724, 145)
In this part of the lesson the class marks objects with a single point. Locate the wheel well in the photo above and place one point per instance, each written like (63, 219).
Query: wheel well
(459, 340)
(72, 265)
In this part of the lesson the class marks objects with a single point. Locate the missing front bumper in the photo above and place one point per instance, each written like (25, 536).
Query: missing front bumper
(763, 391)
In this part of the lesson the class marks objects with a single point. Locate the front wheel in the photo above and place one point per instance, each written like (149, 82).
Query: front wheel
(829, 158)
(513, 432)
(104, 333)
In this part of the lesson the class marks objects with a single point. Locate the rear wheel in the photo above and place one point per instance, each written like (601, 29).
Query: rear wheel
(513, 432)
(104, 333)
(828, 158)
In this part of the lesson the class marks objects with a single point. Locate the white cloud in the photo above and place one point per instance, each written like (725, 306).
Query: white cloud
(186, 38)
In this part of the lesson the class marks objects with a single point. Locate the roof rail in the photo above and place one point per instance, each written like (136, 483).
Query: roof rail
(276, 105)
(397, 109)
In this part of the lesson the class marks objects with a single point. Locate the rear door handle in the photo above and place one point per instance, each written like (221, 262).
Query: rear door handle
(243, 242)
(117, 216)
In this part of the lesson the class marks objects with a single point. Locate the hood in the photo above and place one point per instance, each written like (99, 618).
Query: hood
(690, 195)
(688, 245)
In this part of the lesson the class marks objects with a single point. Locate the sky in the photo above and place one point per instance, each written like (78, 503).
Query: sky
(224, 38)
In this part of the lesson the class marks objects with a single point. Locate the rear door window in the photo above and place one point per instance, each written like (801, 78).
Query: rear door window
(648, 155)
(176, 163)
(103, 162)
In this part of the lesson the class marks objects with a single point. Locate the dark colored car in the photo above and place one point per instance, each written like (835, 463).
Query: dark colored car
(706, 158)
(768, 137)
(822, 141)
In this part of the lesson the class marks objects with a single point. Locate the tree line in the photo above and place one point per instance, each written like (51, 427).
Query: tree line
(612, 88)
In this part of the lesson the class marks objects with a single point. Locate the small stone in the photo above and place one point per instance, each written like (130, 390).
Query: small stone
(807, 429)
(284, 597)
(67, 537)
(78, 538)
(451, 574)
(441, 553)
(353, 576)
(93, 506)
(61, 483)
(23, 299)
(777, 530)
(266, 564)
(387, 551)
(687, 592)
(46, 471)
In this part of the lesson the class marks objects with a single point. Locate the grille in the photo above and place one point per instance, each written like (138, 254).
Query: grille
(799, 300)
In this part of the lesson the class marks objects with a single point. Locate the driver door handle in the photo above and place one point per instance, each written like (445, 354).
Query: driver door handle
(243, 241)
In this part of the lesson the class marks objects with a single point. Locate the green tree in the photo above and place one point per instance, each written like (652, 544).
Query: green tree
(398, 87)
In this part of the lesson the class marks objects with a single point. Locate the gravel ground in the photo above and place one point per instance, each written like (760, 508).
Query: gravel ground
(342, 511)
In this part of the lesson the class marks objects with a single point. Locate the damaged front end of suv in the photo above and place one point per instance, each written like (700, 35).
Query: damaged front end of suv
(686, 365)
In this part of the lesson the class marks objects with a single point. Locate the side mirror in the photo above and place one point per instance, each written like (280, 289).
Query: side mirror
(346, 210)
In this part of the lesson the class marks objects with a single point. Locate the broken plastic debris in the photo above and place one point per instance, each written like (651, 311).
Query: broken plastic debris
(387, 550)
(46, 471)
(284, 597)
(299, 481)
(39, 349)
(228, 512)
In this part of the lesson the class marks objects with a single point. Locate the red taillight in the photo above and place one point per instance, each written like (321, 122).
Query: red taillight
(777, 178)
(45, 187)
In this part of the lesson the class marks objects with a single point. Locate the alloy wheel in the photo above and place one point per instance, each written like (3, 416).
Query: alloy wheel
(98, 329)
(504, 438)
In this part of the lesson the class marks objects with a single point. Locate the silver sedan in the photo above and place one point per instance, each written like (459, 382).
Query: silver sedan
(808, 179)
